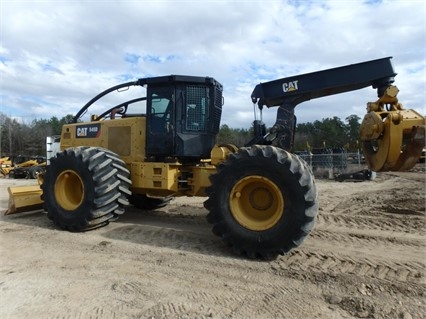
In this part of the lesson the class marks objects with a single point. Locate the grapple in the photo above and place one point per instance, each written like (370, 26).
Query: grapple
(392, 137)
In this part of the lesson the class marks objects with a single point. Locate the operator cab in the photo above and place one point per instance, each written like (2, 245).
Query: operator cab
(183, 116)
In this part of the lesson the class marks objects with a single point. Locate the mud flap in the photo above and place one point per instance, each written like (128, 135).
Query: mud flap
(24, 199)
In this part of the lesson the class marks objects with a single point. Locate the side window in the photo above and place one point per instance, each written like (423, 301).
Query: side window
(196, 107)
(161, 110)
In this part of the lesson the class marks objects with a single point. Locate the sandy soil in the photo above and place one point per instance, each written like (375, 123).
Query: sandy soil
(364, 259)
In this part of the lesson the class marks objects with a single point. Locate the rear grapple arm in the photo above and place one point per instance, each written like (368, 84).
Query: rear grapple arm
(393, 138)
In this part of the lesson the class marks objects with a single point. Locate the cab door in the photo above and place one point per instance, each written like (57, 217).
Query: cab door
(160, 121)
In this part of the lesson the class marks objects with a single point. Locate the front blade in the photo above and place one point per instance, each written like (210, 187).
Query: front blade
(24, 199)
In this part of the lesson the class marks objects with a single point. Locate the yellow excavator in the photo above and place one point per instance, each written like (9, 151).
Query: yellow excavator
(262, 198)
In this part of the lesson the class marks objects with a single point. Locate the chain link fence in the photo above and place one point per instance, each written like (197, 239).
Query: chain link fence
(328, 162)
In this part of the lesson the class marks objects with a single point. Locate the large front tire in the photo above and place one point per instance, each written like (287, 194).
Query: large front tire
(85, 188)
(262, 201)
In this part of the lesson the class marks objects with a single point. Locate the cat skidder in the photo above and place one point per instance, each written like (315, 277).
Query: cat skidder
(262, 198)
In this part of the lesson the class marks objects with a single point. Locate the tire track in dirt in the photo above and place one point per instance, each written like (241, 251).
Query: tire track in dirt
(361, 238)
(332, 263)
(168, 310)
(95, 313)
(403, 225)
(196, 220)
(188, 239)
(243, 304)
(246, 289)
(262, 295)
(255, 301)
(249, 292)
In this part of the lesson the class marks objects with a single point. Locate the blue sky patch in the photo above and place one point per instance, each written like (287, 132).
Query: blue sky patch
(132, 58)
(3, 59)
(50, 68)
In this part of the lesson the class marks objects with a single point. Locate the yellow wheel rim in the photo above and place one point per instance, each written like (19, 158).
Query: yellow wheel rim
(256, 203)
(69, 190)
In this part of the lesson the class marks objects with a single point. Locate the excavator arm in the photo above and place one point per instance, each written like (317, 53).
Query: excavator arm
(392, 137)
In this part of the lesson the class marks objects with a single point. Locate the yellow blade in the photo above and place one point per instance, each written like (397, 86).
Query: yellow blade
(24, 199)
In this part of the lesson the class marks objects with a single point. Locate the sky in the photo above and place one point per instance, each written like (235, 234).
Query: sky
(56, 55)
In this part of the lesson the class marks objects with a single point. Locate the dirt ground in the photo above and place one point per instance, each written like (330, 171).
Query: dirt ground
(364, 259)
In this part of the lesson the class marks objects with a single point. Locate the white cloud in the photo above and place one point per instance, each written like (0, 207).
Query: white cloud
(57, 55)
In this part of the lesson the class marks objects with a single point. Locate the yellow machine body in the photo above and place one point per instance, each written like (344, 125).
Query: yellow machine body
(126, 138)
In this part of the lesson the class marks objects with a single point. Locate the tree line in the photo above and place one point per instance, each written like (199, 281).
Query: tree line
(30, 139)
(327, 133)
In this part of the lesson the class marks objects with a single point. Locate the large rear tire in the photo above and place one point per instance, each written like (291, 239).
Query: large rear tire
(262, 201)
(85, 188)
